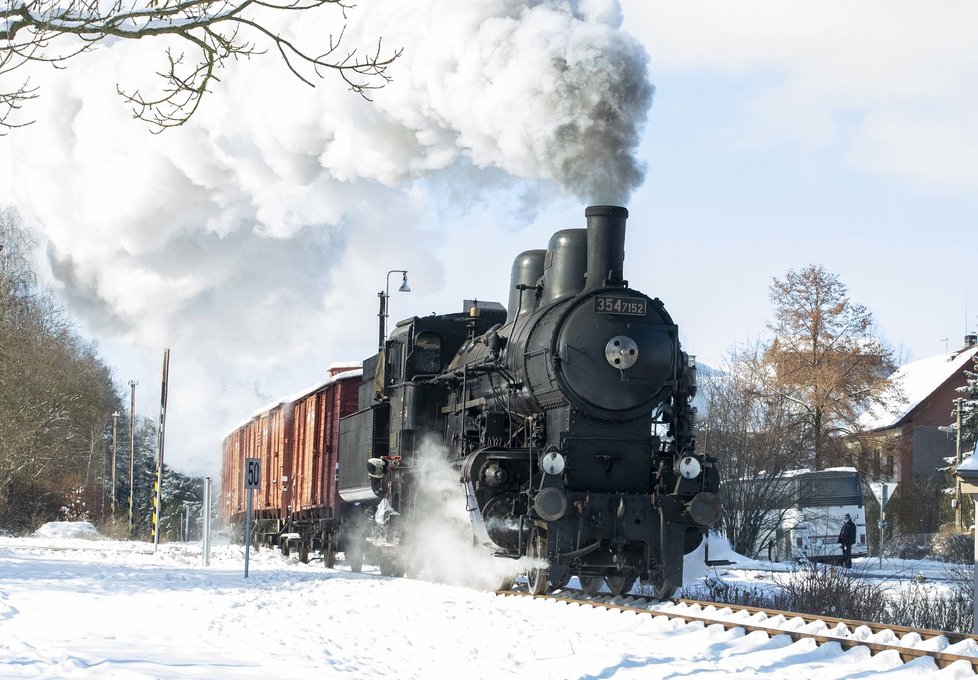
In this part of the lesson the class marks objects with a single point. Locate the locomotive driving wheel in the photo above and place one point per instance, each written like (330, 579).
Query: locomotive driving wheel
(662, 589)
(590, 584)
(620, 583)
(536, 550)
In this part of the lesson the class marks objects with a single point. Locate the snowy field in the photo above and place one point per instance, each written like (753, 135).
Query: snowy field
(74, 605)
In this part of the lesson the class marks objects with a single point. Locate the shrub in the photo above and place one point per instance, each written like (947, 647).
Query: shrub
(826, 590)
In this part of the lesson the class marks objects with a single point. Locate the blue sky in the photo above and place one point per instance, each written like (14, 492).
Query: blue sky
(757, 174)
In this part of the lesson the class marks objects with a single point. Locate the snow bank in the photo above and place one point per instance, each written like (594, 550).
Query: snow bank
(84, 530)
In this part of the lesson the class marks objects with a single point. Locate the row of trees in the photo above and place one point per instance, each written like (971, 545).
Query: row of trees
(57, 398)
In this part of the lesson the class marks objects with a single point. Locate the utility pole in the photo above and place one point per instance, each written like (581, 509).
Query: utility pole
(958, 518)
(206, 541)
(115, 420)
(132, 447)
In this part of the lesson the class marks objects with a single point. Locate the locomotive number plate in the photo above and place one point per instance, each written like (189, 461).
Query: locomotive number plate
(616, 304)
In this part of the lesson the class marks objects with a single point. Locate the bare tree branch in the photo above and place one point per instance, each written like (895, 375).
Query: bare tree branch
(211, 32)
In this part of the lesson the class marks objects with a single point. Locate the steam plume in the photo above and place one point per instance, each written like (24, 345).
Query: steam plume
(276, 211)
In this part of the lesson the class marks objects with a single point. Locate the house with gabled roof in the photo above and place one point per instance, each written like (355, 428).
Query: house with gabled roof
(910, 444)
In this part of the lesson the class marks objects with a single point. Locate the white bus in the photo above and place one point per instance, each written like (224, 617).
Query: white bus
(808, 523)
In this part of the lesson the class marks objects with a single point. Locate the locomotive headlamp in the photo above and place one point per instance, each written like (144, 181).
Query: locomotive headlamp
(553, 463)
(376, 467)
(690, 467)
(621, 352)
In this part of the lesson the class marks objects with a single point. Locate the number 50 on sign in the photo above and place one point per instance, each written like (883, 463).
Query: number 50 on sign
(252, 473)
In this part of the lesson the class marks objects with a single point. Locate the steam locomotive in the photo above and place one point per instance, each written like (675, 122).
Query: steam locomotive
(566, 417)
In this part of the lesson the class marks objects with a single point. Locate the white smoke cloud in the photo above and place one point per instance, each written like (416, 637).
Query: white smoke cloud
(439, 543)
(274, 214)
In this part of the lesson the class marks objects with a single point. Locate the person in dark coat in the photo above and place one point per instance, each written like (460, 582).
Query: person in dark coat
(847, 536)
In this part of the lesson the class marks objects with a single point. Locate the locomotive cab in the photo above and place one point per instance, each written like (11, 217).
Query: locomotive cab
(399, 415)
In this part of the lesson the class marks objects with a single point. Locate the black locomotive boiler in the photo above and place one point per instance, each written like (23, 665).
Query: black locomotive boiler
(567, 417)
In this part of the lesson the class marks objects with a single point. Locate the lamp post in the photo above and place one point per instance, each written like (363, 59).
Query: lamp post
(115, 418)
(383, 295)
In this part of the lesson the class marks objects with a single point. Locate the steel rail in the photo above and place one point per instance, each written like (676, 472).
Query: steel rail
(906, 654)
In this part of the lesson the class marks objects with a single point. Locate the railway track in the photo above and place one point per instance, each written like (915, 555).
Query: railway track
(945, 648)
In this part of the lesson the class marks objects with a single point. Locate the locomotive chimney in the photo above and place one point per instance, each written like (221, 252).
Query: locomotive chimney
(527, 270)
(564, 266)
(605, 245)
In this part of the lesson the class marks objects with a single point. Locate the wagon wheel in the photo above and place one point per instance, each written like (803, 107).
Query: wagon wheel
(388, 566)
(536, 549)
(329, 554)
(354, 557)
(304, 552)
(590, 584)
(283, 545)
(620, 583)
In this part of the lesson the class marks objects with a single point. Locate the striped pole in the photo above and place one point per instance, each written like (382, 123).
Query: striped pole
(158, 484)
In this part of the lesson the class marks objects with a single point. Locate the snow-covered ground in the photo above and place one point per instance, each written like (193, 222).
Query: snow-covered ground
(74, 605)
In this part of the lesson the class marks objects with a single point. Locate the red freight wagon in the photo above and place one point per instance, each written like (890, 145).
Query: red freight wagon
(262, 437)
(297, 441)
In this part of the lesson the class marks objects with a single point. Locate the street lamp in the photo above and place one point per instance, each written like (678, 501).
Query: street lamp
(383, 295)
(115, 418)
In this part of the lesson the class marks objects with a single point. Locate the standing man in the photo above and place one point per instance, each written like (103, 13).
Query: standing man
(847, 536)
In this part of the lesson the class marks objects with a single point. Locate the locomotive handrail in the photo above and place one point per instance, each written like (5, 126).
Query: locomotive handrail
(478, 401)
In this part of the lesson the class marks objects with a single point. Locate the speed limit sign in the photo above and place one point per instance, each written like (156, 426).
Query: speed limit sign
(252, 473)
(252, 478)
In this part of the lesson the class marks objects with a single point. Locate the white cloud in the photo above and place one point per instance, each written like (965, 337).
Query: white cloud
(890, 83)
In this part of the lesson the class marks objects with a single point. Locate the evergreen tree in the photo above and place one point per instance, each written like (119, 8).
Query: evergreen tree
(969, 407)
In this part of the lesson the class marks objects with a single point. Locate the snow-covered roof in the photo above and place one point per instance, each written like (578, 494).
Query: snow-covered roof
(970, 461)
(346, 370)
(808, 471)
(918, 380)
(351, 373)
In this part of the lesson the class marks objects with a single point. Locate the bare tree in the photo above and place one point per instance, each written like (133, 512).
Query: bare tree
(55, 395)
(826, 360)
(754, 438)
(210, 33)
